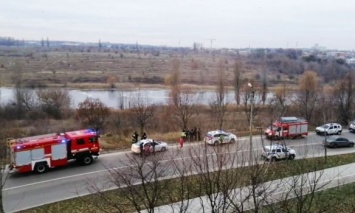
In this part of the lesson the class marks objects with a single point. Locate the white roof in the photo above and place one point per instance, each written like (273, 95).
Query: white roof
(275, 146)
(216, 132)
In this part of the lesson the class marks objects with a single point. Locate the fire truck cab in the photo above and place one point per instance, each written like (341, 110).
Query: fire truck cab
(39, 153)
(287, 127)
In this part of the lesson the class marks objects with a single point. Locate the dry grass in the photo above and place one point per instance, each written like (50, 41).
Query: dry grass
(77, 68)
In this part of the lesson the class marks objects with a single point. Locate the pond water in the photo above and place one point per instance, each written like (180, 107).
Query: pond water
(122, 99)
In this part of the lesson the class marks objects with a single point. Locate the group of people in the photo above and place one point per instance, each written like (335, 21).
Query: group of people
(135, 137)
(193, 134)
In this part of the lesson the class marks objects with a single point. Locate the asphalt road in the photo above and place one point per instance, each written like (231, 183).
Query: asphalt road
(23, 191)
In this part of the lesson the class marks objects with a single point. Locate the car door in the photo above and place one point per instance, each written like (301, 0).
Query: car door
(156, 146)
(331, 130)
(285, 151)
(342, 142)
(280, 153)
(226, 138)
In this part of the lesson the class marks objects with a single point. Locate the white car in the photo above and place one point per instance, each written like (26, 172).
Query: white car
(278, 152)
(157, 146)
(352, 126)
(329, 129)
(215, 137)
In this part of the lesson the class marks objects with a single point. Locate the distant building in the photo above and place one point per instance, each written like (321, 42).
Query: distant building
(318, 48)
(350, 61)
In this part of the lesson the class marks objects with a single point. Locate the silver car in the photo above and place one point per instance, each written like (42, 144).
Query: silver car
(278, 152)
(329, 129)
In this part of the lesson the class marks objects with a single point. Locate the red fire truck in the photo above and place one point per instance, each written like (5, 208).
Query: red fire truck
(287, 127)
(39, 153)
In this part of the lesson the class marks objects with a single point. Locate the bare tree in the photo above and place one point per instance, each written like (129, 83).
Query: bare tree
(237, 81)
(307, 97)
(174, 80)
(280, 100)
(344, 97)
(251, 97)
(184, 108)
(299, 192)
(92, 113)
(264, 88)
(142, 111)
(24, 101)
(54, 102)
(181, 100)
(140, 181)
(219, 104)
(226, 181)
(4, 158)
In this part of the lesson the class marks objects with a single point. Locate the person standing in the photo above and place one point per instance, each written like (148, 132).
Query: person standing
(221, 138)
(153, 145)
(135, 137)
(141, 148)
(181, 142)
(183, 134)
(144, 136)
(195, 133)
(198, 134)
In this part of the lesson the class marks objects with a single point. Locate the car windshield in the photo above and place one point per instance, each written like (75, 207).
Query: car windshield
(332, 138)
(273, 127)
(325, 126)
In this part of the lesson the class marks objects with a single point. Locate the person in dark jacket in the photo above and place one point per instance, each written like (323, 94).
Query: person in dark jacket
(141, 148)
(135, 137)
(195, 133)
(199, 134)
(144, 136)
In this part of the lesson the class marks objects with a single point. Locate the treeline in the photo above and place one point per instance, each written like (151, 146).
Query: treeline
(293, 62)
(8, 41)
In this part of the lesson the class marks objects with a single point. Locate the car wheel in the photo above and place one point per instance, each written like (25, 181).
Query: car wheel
(215, 143)
(87, 160)
(163, 149)
(352, 145)
(232, 140)
(41, 168)
(339, 132)
(273, 159)
(334, 145)
(292, 157)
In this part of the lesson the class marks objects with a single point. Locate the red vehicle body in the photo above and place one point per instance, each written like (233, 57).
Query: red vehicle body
(39, 153)
(288, 127)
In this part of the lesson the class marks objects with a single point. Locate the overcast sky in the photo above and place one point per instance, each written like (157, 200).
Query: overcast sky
(227, 23)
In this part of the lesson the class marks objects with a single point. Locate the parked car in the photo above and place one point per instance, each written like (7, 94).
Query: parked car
(157, 146)
(337, 141)
(214, 137)
(352, 126)
(329, 129)
(278, 152)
